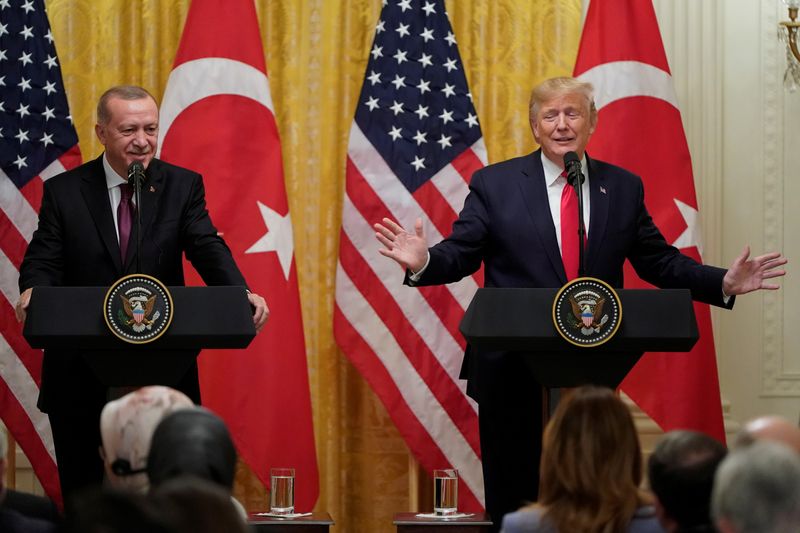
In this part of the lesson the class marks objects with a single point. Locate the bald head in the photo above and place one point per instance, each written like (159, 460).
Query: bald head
(770, 428)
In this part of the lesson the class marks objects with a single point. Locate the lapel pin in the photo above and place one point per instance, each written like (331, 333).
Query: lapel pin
(153, 189)
(602, 189)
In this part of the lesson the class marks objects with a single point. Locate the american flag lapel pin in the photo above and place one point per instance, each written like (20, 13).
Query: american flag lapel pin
(602, 190)
(153, 189)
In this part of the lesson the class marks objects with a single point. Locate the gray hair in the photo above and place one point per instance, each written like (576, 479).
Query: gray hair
(554, 87)
(757, 489)
(123, 92)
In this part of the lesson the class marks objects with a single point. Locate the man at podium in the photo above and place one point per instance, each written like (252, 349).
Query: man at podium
(86, 237)
(520, 221)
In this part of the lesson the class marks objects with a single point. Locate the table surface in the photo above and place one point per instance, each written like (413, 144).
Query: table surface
(322, 519)
(411, 519)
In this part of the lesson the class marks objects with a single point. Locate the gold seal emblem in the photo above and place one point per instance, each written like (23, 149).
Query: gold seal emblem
(587, 312)
(138, 308)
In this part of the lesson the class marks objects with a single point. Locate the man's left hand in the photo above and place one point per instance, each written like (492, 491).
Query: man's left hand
(260, 310)
(747, 275)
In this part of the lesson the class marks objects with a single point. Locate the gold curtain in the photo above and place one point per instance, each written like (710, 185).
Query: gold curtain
(316, 52)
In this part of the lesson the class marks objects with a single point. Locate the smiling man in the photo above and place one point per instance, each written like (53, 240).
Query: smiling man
(83, 240)
(520, 221)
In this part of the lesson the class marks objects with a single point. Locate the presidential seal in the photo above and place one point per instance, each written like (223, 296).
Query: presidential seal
(587, 312)
(138, 309)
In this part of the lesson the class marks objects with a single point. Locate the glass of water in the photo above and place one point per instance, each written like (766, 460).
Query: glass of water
(281, 494)
(445, 491)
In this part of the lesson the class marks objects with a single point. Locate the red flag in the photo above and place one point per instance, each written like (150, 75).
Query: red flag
(217, 118)
(37, 142)
(414, 144)
(640, 129)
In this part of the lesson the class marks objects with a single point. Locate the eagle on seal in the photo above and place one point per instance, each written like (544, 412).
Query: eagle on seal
(587, 317)
(138, 311)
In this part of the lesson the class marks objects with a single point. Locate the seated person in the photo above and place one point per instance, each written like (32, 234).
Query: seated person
(12, 519)
(757, 490)
(590, 472)
(126, 427)
(772, 428)
(195, 505)
(193, 442)
(681, 472)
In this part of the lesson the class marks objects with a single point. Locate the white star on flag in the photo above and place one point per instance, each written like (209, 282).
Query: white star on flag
(691, 235)
(279, 238)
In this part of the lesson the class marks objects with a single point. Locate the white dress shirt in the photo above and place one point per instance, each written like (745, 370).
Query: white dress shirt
(555, 187)
(113, 181)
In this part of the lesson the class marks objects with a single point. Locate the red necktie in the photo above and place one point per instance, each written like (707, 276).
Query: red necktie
(569, 230)
(125, 218)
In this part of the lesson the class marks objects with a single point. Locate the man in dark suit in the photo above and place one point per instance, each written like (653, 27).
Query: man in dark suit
(512, 223)
(78, 243)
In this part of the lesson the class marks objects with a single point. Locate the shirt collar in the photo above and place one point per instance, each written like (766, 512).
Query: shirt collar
(553, 171)
(112, 178)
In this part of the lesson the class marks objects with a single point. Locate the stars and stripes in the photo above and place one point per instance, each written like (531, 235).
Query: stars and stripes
(413, 147)
(37, 141)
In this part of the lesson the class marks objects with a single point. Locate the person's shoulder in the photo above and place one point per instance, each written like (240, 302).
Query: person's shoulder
(527, 520)
(69, 178)
(168, 169)
(603, 169)
(645, 520)
(515, 163)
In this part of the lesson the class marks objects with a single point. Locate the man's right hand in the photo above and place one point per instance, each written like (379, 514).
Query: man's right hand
(21, 310)
(408, 249)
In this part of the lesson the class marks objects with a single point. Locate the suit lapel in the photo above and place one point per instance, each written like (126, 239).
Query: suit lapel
(534, 191)
(95, 193)
(599, 192)
(151, 193)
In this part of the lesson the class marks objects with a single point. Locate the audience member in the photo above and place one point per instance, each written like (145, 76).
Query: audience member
(126, 427)
(114, 510)
(772, 428)
(194, 505)
(12, 520)
(193, 442)
(590, 472)
(757, 490)
(681, 472)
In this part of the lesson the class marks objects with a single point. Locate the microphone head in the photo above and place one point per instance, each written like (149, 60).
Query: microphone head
(136, 169)
(570, 158)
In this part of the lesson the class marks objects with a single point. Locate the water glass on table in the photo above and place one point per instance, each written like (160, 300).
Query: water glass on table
(281, 495)
(445, 491)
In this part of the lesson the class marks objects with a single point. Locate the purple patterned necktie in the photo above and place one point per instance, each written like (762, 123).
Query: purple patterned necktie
(125, 218)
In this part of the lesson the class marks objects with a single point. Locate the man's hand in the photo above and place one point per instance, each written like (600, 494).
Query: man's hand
(260, 310)
(747, 275)
(408, 249)
(21, 310)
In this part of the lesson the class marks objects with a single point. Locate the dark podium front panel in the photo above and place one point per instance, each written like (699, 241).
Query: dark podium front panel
(70, 319)
(521, 320)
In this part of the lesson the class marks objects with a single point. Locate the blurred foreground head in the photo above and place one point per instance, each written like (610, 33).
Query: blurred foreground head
(126, 428)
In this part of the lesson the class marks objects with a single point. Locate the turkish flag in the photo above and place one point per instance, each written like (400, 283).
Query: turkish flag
(640, 129)
(217, 118)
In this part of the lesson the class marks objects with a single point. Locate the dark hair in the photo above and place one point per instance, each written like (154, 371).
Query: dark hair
(192, 442)
(110, 510)
(195, 505)
(681, 471)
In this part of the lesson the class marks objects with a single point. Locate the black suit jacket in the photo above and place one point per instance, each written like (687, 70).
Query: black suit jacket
(76, 245)
(506, 224)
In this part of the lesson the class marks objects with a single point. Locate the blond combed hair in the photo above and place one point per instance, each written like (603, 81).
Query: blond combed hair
(591, 464)
(554, 87)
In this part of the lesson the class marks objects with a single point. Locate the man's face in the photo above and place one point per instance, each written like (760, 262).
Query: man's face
(563, 124)
(131, 133)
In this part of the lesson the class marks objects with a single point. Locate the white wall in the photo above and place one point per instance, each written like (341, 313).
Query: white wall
(744, 135)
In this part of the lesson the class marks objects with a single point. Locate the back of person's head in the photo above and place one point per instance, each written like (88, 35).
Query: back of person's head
(112, 510)
(192, 442)
(757, 490)
(195, 505)
(771, 428)
(591, 463)
(681, 472)
(126, 427)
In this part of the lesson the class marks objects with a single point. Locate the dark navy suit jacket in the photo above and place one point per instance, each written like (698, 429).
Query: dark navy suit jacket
(506, 224)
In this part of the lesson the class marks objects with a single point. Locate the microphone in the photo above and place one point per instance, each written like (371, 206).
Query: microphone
(135, 172)
(572, 164)
(136, 177)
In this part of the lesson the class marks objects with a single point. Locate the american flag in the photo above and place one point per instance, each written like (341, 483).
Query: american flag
(37, 141)
(413, 147)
